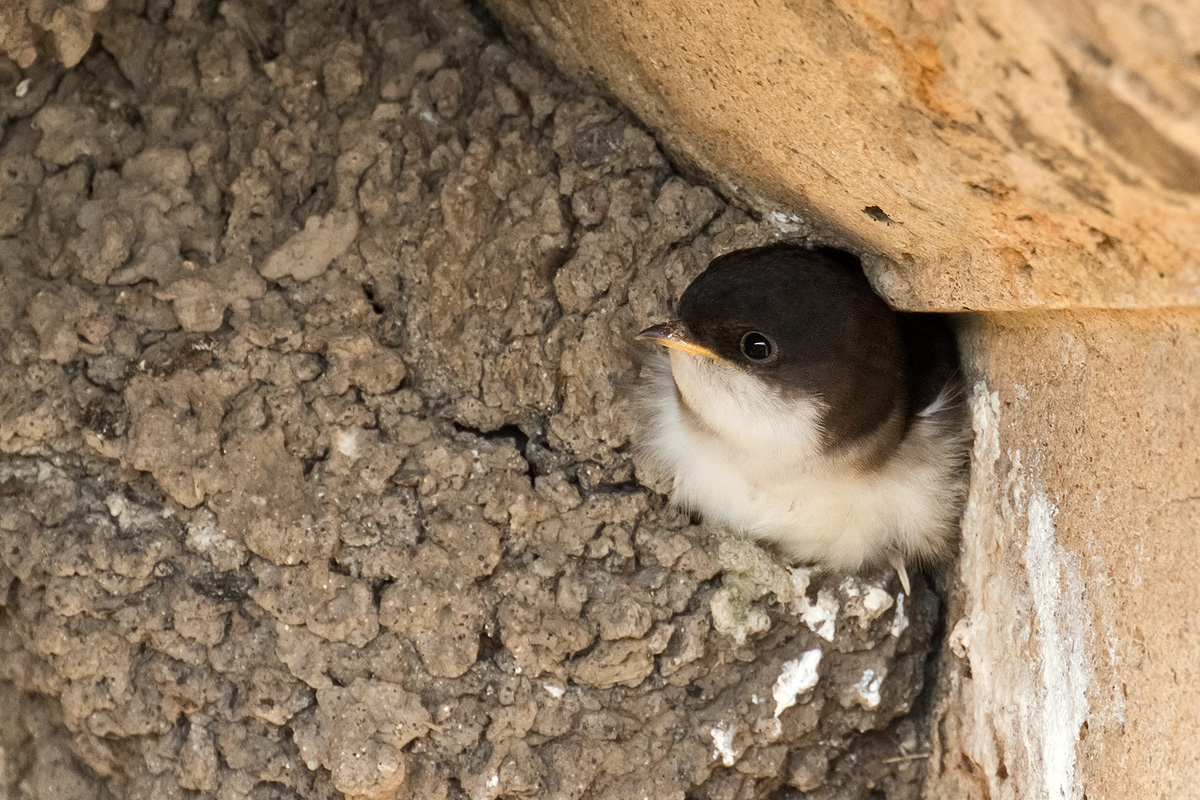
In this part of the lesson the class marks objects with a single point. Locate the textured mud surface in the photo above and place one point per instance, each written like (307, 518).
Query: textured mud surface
(49, 29)
(313, 330)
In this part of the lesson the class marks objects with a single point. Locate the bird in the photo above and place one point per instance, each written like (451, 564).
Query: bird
(787, 401)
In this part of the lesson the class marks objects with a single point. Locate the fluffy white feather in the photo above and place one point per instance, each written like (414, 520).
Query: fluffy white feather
(750, 461)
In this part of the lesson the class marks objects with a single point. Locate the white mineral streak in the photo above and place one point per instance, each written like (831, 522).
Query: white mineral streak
(722, 737)
(821, 616)
(1063, 632)
(798, 675)
(785, 223)
(868, 687)
(864, 601)
(899, 618)
(347, 443)
(801, 578)
(1023, 707)
(877, 600)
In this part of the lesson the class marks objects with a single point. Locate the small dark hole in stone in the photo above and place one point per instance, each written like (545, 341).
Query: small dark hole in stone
(876, 213)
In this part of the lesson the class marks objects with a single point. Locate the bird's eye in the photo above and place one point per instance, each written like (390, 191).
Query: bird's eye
(756, 346)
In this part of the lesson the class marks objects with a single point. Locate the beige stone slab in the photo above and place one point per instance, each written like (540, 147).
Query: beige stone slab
(1007, 154)
(1075, 618)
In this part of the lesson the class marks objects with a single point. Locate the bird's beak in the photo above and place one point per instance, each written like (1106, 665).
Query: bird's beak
(674, 334)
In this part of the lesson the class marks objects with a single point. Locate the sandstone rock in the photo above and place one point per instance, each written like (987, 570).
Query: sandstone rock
(1077, 538)
(1023, 155)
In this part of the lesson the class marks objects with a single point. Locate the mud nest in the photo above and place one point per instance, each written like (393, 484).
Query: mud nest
(313, 329)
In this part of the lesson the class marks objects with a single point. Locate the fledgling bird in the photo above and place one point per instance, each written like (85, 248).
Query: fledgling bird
(791, 403)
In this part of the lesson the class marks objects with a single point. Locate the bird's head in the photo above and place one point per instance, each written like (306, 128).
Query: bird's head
(786, 343)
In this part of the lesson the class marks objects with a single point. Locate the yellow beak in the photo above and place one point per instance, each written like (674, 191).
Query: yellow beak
(674, 334)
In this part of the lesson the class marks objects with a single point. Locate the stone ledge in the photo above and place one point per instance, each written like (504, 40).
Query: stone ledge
(1019, 156)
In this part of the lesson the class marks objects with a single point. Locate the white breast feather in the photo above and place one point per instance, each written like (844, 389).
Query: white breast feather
(756, 466)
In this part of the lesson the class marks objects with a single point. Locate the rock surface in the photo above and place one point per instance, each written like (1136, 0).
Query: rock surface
(1014, 154)
(313, 326)
(1077, 589)
(26, 26)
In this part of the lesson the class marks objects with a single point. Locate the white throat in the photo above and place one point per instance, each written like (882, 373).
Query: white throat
(745, 413)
